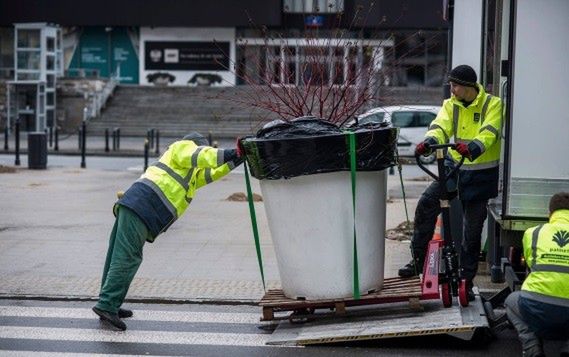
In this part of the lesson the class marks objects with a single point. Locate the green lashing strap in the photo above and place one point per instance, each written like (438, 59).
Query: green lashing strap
(254, 223)
(352, 140)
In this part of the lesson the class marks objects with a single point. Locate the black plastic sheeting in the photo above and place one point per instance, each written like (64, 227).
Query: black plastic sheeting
(308, 146)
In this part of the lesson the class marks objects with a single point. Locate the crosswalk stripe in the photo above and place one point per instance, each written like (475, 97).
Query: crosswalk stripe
(143, 315)
(157, 337)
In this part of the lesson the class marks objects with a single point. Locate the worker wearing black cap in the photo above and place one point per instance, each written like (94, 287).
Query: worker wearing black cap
(472, 119)
(149, 207)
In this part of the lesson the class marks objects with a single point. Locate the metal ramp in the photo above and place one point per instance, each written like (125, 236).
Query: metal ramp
(383, 321)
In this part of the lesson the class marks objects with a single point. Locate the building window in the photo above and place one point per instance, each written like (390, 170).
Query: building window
(313, 62)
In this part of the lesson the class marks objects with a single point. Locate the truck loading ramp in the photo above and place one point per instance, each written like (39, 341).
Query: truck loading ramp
(392, 320)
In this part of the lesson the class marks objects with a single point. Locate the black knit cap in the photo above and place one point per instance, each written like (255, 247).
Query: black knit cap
(463, 75)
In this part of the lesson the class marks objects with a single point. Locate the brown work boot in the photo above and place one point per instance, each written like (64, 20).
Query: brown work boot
(411, 269)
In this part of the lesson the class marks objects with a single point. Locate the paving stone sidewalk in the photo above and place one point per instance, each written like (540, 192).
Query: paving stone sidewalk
(55, 224)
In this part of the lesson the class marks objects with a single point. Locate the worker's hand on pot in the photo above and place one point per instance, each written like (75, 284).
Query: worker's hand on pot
(462, 149)
(422, 148)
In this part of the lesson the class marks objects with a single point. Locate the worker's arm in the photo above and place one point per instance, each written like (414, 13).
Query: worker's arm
(205, 176)
(441, 128)
(489, 133)
(187, 154)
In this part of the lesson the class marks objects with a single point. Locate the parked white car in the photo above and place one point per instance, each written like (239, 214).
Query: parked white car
(412, 121)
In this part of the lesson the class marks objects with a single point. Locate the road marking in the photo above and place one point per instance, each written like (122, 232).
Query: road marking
(157, 337)
(141, 315)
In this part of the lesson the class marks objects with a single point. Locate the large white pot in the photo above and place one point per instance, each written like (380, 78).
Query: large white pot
(311, 223)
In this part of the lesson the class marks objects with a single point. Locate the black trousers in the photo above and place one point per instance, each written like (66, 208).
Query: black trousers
(474, 213)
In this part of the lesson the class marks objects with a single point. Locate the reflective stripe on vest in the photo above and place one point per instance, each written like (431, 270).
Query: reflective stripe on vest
(207, 175)
(543, 267)
(435, 126)
(183, 181)
(481, 166)
(534, 239)
(160, 195)
(485, 108)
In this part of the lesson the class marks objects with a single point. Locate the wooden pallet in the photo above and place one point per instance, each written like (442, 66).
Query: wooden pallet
(394, 290)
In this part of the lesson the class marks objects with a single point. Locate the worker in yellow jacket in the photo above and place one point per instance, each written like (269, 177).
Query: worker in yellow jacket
(472, 119)
(149, 207)
(541, 309)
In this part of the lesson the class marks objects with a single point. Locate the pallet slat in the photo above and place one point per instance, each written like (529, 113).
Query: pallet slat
(394, 289)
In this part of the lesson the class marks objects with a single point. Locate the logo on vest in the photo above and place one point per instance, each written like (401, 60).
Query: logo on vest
(561, 238)
(476, 117)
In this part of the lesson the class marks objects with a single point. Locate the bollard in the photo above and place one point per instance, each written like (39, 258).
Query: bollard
(56, 134)
(51, 136)
(79, 136)
(83, 142)
(6, 132)
(106, 139)
(145, 154)
(114, 139)
(118, 138)
(17, 161)
(209, 138)
(157, 147)
(151, 138)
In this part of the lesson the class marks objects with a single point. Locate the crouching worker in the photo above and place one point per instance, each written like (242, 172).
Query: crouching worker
(541, 309)
(149, 207)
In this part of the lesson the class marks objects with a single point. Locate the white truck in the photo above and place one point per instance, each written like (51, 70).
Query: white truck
(531, 74)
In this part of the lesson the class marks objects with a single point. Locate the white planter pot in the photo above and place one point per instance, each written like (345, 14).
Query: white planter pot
(311, 223)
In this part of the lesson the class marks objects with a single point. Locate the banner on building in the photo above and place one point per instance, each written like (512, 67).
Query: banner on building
(192, 56)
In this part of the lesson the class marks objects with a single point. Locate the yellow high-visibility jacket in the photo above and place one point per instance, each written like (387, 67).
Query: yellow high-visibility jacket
(164, 191)
(546, 251)
(479, 125)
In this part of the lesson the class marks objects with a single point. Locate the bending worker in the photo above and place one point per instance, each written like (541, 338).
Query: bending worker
(541, 309)
(149, 207)
(474, 119)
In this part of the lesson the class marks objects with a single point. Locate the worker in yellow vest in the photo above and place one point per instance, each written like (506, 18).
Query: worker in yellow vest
(473, 119)
(541, 309)
(149, 207)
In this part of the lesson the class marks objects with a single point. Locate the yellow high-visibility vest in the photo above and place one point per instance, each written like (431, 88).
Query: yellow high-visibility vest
(184, 168)
(546, 251)
(480, 122)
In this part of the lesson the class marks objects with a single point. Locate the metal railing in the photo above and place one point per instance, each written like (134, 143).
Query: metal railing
(99, 98)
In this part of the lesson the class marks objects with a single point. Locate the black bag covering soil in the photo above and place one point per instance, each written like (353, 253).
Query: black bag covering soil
(308, 146)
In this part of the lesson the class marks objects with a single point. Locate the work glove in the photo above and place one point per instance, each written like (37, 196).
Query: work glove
(462, 149)
(422, 148)
(239, 147)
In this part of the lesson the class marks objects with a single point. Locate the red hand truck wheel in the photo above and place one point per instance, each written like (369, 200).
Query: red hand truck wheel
(446, 295)
(463, 293)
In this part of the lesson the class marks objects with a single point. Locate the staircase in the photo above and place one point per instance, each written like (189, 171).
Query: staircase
(175, 111)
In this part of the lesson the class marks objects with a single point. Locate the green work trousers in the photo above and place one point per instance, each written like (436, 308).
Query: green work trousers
(123, 259)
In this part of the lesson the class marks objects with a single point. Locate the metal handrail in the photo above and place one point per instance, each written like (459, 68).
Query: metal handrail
(99, 99)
